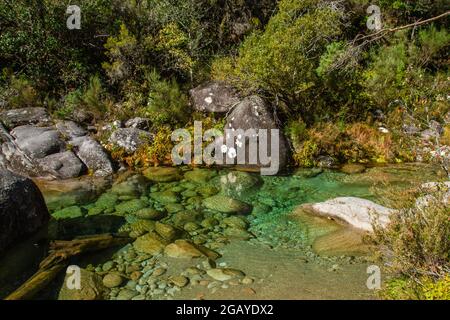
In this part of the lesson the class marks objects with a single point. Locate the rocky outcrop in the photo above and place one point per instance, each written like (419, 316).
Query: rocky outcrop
(62, 151)
(22, 208)
(130, 139)
(138, 123)
(91, 287)
(93, 156)
(25, 116)
(214, 97)
(37, 142)
(65, 164)
(360, 213)
(253, 113)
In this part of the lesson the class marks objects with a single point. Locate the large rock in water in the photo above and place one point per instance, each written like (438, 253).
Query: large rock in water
(93, 156)
(44, 151)
(66, 164)
(25, 116)
(214, 97)
(130, 139)
(91, 287)
(37, 142)
(360, 213)
(22, 208)
(254, 113)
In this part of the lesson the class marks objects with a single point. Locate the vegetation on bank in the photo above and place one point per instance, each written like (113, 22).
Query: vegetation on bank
(338, 89)
(331, 91)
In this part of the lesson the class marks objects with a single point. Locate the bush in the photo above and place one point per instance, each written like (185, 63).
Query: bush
(166, 104)
(416, 247)
(18, 92)
(282, 60)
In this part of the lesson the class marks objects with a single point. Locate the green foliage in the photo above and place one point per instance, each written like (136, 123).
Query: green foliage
(18, 92)
(282, 60)
(416, 242)
(400, 72)
(166, 104)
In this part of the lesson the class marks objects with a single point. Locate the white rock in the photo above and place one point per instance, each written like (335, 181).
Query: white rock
(357, 212)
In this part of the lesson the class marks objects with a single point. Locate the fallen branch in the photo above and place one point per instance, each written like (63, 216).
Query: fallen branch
(59, 254)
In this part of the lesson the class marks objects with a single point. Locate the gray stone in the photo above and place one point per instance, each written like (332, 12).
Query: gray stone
(360, 213)
(70, 129)
(214, 96)
(25, 116)
(93, 156)
(130, 139)
(22, 208)
(253, 113)
(37, 142)
(138, 123)
(65, 164)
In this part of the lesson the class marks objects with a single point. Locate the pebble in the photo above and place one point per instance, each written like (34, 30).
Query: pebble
(135, 275)
(179, 281)
(112, 280)
(131, 284)
(126, 294)
(107, 266)
(247, 280)
(158, 272)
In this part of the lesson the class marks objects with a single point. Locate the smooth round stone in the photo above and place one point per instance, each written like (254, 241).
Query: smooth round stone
(126, 294)
(112, 280)
(158, 272)
(179, 281)
(149, 213)
(353, 168)
(226, 204)
(131, 284)
(224, 274)
(247, 280)
(191, 226)
(162, 174)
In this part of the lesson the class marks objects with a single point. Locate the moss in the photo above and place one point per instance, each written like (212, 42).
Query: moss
(129, 207)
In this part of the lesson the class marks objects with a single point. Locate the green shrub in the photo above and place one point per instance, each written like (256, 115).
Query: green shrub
(282, 60)
(166, 104)
(19, 92)
(416, 242)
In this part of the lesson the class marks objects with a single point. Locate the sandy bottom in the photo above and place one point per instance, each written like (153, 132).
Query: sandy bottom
(283, 274)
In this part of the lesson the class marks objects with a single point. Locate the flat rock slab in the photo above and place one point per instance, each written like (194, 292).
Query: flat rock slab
(25, 116)
(357, 212)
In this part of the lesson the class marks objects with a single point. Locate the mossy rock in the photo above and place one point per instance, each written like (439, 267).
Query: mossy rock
(162, 174)
(207, 190)
(129, 207)
(165, 197)
(167, 231)
(181, 218)
(69, 213)
(236, 222)
(233, 233)
(353, 168)
(149, 214)
(107, 201)
(174, 207)
(93, 211)
(209, 223)
(91, 288)
(149, 243)
(200, 176)
(227, 205)
(238, 183)
(306, 173)
(141, 227)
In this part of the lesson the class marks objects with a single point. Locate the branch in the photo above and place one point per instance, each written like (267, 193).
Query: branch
(383, 32)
